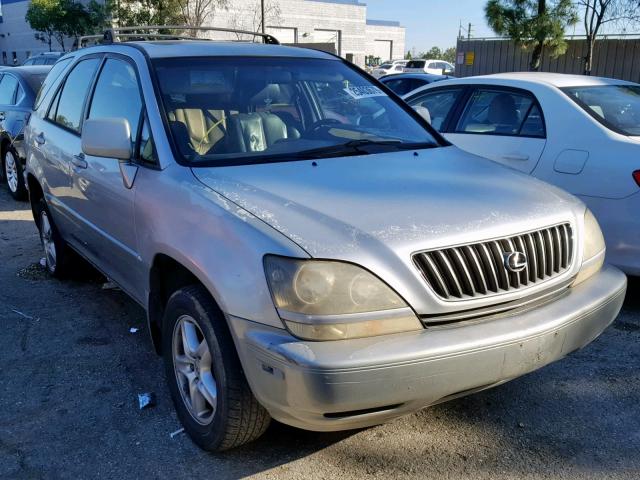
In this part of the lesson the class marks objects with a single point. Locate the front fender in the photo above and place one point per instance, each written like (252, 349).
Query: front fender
(220, 243)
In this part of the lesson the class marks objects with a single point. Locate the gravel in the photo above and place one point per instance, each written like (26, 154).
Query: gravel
(71, 372)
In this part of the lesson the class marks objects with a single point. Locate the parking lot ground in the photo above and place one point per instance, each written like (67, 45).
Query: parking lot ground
(70, 373)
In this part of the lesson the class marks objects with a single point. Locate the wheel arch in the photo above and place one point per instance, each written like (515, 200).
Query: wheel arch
(5, 143)
(166, 276)
(36, 193)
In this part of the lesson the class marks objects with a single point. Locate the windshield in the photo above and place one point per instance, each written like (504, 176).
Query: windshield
(226, 110)
(616, 106)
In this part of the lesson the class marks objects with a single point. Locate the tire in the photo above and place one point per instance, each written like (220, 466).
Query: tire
(13, 174)
(207, 361)
(58, 255)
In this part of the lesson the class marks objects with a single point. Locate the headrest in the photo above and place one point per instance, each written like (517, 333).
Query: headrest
(272, 93)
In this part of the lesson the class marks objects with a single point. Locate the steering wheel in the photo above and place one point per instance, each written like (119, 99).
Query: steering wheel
(323, 122)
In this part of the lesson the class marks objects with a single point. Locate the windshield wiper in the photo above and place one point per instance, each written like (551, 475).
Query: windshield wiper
(359, 147)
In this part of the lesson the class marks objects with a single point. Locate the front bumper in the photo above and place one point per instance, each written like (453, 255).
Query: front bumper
(348, 384)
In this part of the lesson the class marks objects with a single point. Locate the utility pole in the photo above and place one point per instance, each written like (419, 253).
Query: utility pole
(469, 30)
(262, 10)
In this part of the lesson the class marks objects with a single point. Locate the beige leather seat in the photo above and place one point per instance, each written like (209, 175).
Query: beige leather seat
(204, 128)
(255, 132)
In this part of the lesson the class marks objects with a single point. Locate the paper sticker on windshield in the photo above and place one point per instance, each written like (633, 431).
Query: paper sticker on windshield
(364, 91)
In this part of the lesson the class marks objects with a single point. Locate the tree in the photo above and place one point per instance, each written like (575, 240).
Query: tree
(251, 18)
(599, 13)
(449, 55)
(61, 19)
(129, 13)
(435, 53)
(195, 13)
(40, 16)
(535, 24)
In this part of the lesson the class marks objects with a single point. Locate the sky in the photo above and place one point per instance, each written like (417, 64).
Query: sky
(431, 23)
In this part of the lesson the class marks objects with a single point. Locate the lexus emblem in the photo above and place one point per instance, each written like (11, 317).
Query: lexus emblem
(515, 261)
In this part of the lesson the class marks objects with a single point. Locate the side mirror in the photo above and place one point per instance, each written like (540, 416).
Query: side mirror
(107, 137)
(423, 112)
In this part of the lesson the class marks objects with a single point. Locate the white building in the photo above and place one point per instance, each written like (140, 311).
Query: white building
(342, 23)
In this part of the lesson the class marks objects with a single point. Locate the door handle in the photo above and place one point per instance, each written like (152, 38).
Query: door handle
(518, 158)
(40, 138)
(78, 161)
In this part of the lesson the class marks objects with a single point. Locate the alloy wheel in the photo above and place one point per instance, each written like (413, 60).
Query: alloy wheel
(192, 364)
(11, 171)
(48, 244)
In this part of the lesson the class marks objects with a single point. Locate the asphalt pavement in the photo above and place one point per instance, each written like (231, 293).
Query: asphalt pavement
(71, 371)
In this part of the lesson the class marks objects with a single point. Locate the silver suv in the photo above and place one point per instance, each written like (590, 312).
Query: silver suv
(306, 247)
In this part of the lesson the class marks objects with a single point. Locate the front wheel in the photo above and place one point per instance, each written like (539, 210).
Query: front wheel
(13, 174)
(207, 383)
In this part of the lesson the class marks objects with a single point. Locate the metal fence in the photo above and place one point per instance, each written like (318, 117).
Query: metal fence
(613, 57)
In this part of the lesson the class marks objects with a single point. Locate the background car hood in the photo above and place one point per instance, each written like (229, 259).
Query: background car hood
(397, 202)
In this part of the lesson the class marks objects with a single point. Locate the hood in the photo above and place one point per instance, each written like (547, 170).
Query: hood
(394, 203)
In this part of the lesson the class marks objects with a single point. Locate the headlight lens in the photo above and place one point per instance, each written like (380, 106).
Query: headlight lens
(326, 300)
(593, 249)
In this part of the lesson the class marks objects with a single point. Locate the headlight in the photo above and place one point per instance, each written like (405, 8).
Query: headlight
(593, 249)
(325, 300)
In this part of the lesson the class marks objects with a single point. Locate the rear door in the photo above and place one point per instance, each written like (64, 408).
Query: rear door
(503, 124)
(100, 196)
(57, 138)
(8, 90)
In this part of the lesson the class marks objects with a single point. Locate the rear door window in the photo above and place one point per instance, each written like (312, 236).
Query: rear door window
(8, 87)
(501, 112)
(71, 98)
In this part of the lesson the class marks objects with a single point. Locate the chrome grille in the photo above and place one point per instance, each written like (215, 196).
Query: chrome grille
(479, 269)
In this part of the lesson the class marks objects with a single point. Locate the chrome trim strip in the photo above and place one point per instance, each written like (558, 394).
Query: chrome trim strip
(347, 317)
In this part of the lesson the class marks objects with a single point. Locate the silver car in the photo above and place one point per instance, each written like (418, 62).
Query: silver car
(306, 247)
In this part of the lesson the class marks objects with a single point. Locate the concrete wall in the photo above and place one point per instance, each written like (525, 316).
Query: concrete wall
(15, 34)
(614, 58)
(343, 22)
(385, 36)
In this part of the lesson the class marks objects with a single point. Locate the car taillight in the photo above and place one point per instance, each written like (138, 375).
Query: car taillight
(636, 177)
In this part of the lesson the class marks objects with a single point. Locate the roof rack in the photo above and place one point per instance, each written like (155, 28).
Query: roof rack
(145, 32)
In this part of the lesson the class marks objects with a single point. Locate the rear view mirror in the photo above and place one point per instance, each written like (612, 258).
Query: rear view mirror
(423, 112)
(107, 137)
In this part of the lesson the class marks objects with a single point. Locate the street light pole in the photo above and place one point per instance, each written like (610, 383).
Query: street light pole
(262, 10)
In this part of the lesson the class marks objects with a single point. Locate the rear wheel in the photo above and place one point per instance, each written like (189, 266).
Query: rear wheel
(57, 254)
(207, 383)
(13, 175)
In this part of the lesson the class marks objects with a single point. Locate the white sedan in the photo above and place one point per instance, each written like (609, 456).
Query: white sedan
(579, 133)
